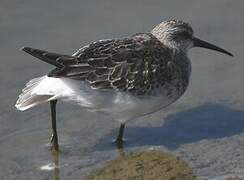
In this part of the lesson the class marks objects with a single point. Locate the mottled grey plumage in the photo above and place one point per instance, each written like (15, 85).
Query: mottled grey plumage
(139, 65)
(125, 78)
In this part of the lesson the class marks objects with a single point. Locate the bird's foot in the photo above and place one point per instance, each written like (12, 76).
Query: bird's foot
(120, 142)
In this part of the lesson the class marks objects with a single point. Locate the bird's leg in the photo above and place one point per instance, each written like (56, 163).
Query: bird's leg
(54, 138)
(119, 140)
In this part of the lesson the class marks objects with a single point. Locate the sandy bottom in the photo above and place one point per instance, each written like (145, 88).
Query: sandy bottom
(144, 165)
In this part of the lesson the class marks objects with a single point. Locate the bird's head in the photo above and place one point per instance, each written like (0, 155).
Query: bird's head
(180, 35)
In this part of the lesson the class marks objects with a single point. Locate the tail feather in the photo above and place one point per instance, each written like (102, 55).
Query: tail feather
(32, 101)
(31, 85)
(44, 89)
(28, 98)
(34, 81)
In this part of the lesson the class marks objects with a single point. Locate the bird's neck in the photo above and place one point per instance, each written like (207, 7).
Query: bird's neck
(183, 61)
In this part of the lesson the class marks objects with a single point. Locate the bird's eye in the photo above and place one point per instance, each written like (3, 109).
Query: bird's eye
(184, 35)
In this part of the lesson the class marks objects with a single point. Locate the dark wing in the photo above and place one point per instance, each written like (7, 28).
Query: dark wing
(137, 64)
(55, 59)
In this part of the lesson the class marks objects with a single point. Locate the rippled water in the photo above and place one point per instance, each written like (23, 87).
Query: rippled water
(203, 127)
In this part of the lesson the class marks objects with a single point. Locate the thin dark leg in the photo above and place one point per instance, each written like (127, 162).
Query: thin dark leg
(119, 140)
(54, 138)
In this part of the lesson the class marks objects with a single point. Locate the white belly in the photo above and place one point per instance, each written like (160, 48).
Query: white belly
(121, 106)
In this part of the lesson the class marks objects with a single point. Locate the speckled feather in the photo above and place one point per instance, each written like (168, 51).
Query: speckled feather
(138, 65)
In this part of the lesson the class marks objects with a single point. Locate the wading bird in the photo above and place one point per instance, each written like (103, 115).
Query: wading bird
(124, 78)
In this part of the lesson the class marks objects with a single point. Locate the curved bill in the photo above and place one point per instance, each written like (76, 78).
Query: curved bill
(200, 43)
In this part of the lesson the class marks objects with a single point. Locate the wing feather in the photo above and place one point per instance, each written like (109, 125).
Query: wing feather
(126, 64)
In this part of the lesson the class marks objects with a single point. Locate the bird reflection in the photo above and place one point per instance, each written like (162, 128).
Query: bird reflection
(55, 158)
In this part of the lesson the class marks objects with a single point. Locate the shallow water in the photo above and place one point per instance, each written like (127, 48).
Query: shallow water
(205, 127)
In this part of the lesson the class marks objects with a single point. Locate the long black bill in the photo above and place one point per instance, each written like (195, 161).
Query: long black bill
(200, 43)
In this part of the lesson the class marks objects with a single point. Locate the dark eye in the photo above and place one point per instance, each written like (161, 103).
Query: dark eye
(184, 35)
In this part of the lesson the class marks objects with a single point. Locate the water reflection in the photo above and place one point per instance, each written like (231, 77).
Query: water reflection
(55, 156)
(54, 166)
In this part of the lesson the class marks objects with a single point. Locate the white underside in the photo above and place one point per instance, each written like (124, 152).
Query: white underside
(120, 106)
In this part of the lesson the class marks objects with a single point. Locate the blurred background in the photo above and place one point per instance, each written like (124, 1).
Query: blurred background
(205, 127)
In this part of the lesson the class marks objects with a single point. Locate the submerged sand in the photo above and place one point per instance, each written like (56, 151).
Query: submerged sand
(144, 165)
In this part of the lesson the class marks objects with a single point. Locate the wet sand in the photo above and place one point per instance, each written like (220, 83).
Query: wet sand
(144, 165)
(205, 127)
